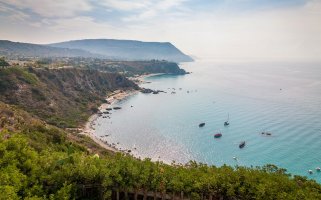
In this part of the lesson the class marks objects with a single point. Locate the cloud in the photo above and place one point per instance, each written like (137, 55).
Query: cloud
(125, 5)
(78, 24)
(51, 8)
(13, 14)
(158, 8)
(220, 29)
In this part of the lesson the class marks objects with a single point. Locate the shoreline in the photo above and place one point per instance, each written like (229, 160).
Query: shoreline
(88, 128)
(114, 97)
(140, 78)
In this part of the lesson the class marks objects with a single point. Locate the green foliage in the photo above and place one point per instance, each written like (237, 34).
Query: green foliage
(59, 170)
(41, 161)
(3, 63)
(61, 97)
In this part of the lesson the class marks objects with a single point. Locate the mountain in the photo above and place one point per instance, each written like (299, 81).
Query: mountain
(17, 49)
(128, 49)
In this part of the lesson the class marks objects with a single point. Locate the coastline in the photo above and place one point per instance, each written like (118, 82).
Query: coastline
(116, 96)
(89, 129)
(140, 78)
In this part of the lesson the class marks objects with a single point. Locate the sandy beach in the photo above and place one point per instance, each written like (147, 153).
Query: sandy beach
(112, 98)
(89, 129)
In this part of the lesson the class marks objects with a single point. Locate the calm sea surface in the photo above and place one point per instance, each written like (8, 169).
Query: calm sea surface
(281, 98)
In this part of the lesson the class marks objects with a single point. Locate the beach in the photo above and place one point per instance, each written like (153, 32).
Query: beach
(166, 125)
(111, 99)
(88, 128)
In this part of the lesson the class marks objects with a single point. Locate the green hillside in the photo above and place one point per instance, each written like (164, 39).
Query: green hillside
(43, 161)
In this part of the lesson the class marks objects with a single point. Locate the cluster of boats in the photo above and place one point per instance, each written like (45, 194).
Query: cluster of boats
(318, 169)
(219, 134)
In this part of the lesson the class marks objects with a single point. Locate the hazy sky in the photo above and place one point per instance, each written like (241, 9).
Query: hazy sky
(223, 29)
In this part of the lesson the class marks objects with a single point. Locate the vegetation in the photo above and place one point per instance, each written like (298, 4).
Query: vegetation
(126, 68)
(128, 49)
(62, 97)
(42, 161)
(3, 63)
(39, 161)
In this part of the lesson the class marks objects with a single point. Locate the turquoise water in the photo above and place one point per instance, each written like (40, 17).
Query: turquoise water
(281, 98)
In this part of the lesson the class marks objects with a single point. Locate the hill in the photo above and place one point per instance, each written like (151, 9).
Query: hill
(40, 161)
(18, 49)
(43, 161)
(62, 97)
(128, 49)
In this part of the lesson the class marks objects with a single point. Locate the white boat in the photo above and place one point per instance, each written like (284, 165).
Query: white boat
(226, 123)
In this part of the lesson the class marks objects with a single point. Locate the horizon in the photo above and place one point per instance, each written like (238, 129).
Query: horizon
(222, 29)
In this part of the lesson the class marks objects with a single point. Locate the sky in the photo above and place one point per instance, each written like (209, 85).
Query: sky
(285, 30)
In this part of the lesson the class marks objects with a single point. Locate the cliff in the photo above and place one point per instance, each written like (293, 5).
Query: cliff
(62, 97)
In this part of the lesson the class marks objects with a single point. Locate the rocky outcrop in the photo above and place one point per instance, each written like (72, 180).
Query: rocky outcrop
(149, 91)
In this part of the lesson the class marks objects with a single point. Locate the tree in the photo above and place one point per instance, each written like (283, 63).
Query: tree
(3, 63)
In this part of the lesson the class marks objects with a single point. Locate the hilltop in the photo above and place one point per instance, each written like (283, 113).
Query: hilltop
(18, 49)
(128, 49)
(121, 50)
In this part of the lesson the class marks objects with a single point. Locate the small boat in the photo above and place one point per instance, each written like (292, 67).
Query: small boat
(242, 144)
(201, 124)
(318, 169)
(310, 171)
(226, 123)
(266, 133)
(218, 135)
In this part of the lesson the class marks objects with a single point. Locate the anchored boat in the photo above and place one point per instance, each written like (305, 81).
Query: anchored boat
(217, 135)
(201, 124)
(226, 123)
(242, 144)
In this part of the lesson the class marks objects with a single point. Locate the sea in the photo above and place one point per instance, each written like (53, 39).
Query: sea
(281, 98)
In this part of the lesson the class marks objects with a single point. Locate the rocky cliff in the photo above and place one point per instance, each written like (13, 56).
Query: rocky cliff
(62, 97)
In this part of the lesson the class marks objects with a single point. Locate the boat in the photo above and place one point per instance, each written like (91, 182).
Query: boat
(217, 135)
(226, 123)
(310, 171)
(201, 124)
(242, 144)
(318, 169)
(266, 133)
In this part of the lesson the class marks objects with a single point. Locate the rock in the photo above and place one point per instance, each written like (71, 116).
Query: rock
(146, 91)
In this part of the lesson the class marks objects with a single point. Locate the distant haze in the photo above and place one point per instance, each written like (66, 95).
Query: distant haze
(287, 30)
(127, 49)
